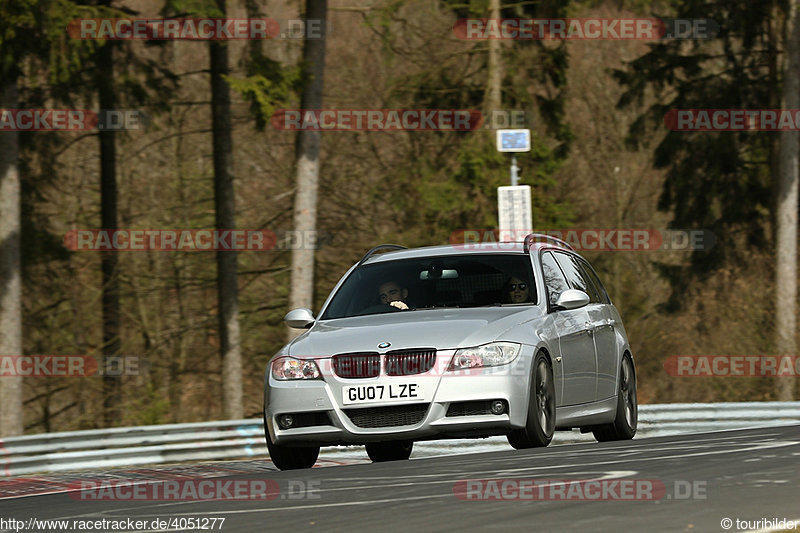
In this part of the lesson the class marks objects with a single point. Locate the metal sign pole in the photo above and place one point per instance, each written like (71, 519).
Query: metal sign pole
(514, 169)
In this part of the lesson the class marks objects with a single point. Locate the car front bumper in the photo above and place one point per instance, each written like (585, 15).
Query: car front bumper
(448, 405)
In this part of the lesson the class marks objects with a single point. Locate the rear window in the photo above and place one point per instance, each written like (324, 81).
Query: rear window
(592, 275)
(435, 282)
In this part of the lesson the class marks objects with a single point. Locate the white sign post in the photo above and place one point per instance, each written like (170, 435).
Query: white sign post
(515, 215)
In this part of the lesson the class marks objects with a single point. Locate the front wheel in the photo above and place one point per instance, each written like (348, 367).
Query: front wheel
(627, 417)
(290, 457)
(541, 422)
(396, 450)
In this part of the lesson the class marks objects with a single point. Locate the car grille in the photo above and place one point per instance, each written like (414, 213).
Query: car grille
(357, 365)
(384, 417)
(409, 362)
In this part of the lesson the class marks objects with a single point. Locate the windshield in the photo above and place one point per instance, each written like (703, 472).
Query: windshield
(451, 281)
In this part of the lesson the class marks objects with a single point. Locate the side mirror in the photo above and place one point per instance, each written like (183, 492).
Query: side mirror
(572, 299)
(301, 318)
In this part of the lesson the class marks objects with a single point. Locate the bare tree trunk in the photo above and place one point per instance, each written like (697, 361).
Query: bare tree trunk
(176, 364)
(786, 245)
(307, 165)
(775, 32)
(10, 275)
(225, 209)
(112, 389)
(494, 66)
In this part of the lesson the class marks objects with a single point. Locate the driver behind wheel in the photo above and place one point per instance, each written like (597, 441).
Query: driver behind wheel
(391, 293)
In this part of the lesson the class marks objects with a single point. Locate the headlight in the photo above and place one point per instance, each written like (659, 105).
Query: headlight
(285, 368)
(493, 354)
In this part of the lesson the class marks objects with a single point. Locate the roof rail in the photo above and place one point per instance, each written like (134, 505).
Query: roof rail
(378, 249)
(532, 237)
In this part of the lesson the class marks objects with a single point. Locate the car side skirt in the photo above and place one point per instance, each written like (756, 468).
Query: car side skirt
(586, 414)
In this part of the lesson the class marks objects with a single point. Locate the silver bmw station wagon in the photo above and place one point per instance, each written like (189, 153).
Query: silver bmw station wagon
(459, 341)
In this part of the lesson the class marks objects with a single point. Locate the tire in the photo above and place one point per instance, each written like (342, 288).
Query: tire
(396, 450)
(290, 457)
(541, 421)
(627, 416)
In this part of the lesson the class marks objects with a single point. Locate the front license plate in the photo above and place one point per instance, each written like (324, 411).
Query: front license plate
(381, 393)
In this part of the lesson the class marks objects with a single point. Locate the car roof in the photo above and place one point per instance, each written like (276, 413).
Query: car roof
(457, 249)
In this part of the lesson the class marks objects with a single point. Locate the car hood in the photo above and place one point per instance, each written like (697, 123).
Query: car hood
(436, 328)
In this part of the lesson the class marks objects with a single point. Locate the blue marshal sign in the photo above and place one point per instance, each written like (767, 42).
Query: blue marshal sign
(513, 140)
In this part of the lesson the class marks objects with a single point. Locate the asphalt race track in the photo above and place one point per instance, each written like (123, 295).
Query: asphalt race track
(676, 483)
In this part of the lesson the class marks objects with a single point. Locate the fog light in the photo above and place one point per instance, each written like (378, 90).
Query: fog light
(285, 421)
(498, 407)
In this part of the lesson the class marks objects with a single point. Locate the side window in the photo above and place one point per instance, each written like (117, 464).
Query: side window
(577, 279)
(595, 294)
(592, 277)
(554, 279)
